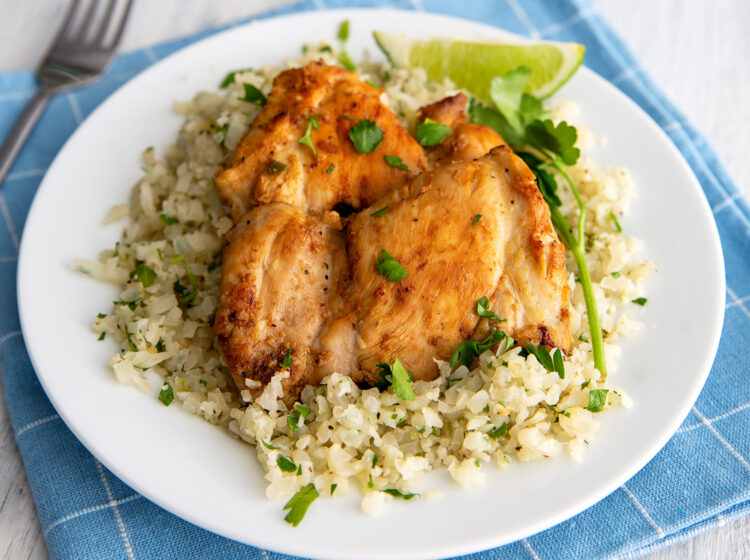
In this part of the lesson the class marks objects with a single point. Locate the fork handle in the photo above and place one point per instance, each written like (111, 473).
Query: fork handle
(21, 130)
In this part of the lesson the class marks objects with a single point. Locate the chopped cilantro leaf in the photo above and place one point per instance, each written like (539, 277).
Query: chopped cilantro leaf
(597, 400)
(101, 315)
(299, 503)
(333, 488)
(395, 161)
(303, 410)
(476, 219)
(160, 346)
(253, 95)
(203, 382)
(499, 432)
(285, 464)
(585, 384)
(583, 338)
(169, 220)
(132, 304)
(431, 133)
(276, 167)
(640, 301)
(287, 359)
(549, 362)
(483, 310)
(366, 135)
(470, 349)
(618, 227)
(268, 445)
(379, 212)
(292, 421)
(101, 336)
(178, 258)
(390, 267)
(299, 470)
(229, 79)
(330, 168)
(166, 395)
(144, 275)
(129, 336)
(398, 377)
(451, 381)
(615, 274)
(374, 460)
(306, 139)
(398, 494)
(344, 31)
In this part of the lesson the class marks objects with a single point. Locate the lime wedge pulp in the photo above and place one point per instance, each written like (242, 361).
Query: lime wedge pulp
(471, 65)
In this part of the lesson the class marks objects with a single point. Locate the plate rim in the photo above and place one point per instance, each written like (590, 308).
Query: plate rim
(549, 521)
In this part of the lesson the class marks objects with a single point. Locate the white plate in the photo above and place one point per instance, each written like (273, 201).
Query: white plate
(200, 473)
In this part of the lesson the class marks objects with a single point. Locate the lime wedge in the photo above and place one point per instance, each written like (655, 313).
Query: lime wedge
(472, 64)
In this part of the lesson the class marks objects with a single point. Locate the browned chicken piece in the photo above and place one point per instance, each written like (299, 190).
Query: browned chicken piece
(511, 255)
(279, 273)
(336, 99)
(468, 140)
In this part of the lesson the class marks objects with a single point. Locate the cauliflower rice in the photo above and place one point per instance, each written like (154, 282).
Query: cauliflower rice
(509, 408)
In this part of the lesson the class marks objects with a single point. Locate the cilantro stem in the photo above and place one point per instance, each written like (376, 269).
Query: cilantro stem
(577, 247)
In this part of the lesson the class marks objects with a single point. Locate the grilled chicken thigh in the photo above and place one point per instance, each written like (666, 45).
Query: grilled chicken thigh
(328, 101)
(277, 293)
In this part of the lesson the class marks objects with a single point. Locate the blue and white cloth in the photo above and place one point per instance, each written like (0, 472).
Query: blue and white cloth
(699, 480)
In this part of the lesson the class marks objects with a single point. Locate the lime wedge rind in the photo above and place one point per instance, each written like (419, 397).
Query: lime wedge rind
(471, 64)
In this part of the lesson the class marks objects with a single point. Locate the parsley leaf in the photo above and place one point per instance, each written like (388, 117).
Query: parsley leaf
(470, 349)
(306, 139)
(390, 267)
(166, 395)
(169, 220)
(299, 503)
(366, 135)
(379, 212)
(287, 359)
(144, 275)
(395, 161)
(640, 301)
(286, 465)
(476, 219)
(431, 133)
(558, 139)
(597, 400)
(398, 494)
(483, 305)
(499, 432)
(253, 95)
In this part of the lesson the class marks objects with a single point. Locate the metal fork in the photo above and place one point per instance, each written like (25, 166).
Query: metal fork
(79, 54)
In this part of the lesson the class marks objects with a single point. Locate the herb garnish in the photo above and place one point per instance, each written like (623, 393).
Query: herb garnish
(330, 168)
(287, 359)
(597, 400)
(390, 267)
(519, 118)
(476, 219)
(253, 95)
(268, 445)
(129, 336)
(366, 135)
(379, 212)
(399, 378)
(229, 79)
(640, 301)
(499, 432)
(612, 217)
(143, 274)
(343, 36)
(166, 395)
(551, 362)
(483, 310)
(398, 494)
(470, 349)
(285, 464)
(169, 220)
(432, 133)
(306, 140)
(101, 336)
(333, 488)
(292, 419)
(395, 161)
(276, 167)
(299, 503)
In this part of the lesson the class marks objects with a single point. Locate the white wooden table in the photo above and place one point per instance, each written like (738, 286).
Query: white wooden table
(697, 51)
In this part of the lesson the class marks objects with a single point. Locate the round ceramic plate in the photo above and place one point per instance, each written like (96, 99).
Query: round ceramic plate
(174, 458)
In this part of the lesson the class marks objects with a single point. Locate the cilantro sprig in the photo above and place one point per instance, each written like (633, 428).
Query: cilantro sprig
(431, 133)
(547, 148)
(298, 504)
(366, 135)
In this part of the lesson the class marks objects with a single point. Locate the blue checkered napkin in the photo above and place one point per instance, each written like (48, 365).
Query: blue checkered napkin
(699, 480)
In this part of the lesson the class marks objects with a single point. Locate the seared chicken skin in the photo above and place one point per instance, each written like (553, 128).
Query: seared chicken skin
(467, 141)
(334, 99)
(277, 293)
